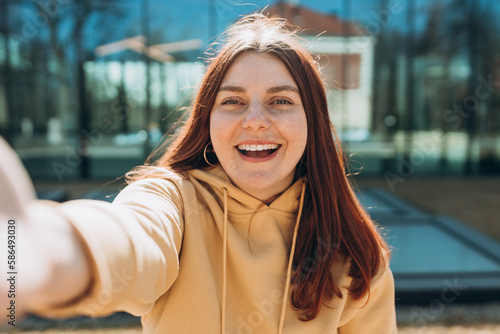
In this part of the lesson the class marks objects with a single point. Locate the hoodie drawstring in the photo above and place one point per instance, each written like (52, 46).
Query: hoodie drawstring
(224, 265)
(290, 260)
(289, 269)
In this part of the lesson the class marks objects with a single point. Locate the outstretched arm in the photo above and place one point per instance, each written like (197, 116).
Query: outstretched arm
(49, 260)
(88, 257)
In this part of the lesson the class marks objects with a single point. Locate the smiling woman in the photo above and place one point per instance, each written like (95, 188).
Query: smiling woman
(245, 224)
(258, 125)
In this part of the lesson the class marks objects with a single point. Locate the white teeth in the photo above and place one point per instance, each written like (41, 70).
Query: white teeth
(258, 147)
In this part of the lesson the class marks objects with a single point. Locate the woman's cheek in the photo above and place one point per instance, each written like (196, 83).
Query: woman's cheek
(221, 127)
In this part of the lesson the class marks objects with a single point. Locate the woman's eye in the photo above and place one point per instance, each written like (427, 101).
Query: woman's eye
(230, 101)
(282, 101)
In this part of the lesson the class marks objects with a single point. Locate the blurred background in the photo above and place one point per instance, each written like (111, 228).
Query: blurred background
(88, 88)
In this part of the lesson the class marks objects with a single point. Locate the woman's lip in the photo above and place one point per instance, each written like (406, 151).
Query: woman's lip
(257, 159)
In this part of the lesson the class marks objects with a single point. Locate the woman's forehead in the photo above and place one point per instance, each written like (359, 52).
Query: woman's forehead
(253, 67)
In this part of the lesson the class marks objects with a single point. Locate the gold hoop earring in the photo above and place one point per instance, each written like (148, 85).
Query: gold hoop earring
(205, 154)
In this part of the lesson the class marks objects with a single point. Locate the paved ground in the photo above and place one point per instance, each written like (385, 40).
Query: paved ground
(423, 319)
(480, 329)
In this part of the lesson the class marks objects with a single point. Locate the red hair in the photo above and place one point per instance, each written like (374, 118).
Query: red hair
(334, 223)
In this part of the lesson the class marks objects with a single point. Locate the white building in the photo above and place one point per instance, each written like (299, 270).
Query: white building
(346, 59)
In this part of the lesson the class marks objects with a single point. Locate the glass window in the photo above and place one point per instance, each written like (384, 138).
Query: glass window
(88, 88)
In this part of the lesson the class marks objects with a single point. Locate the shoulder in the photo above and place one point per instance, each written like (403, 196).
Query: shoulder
(375, 311)
(361, 314)
(383, 272)
(342, 269)
(155, 183)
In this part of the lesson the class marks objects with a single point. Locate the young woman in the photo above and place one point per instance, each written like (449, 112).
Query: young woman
(245, 224)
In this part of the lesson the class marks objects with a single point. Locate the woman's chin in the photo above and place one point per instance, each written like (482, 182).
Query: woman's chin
(263, 185)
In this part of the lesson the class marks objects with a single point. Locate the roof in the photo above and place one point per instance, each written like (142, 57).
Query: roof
(314, 22)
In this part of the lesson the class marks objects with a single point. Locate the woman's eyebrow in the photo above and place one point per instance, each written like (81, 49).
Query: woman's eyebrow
(237, 89)
(275, 89)
(281, 88)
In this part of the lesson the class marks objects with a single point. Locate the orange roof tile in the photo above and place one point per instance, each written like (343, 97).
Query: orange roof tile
(314, 22)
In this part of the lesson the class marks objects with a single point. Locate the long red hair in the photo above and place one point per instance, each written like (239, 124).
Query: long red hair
(333, 222)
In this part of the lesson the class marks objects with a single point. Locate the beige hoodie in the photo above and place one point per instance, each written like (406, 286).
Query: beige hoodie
(195, 254)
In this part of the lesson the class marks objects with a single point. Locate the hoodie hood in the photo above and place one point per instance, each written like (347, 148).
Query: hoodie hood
(215, 180)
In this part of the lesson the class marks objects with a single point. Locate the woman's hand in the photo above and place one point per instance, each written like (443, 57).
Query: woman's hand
(42, 263)
(16, 191)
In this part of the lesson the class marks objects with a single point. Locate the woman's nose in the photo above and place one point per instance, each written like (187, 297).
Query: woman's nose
(256, 118)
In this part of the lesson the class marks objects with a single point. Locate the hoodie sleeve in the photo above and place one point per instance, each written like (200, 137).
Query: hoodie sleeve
(133, 245)
(378, 315)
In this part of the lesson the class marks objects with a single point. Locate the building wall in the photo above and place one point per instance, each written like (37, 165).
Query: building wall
(350, 109)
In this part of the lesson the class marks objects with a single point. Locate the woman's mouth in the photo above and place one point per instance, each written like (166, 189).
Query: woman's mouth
(258, 151)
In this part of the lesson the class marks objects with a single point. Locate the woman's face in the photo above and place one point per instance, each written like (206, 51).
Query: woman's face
(258, 125)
